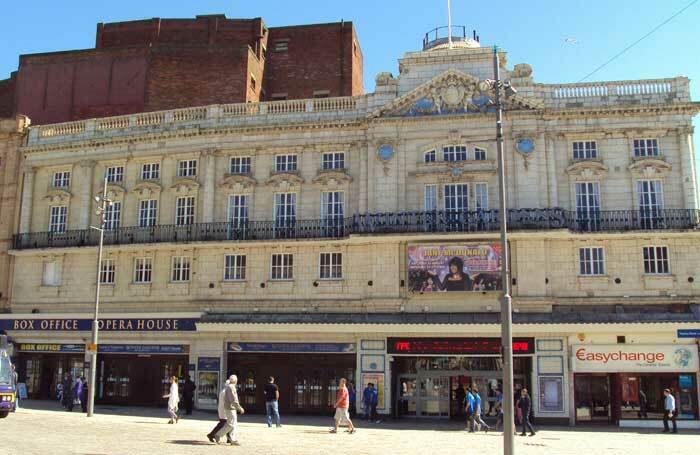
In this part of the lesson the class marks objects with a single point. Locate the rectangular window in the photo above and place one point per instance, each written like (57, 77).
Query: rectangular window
(285, 163)
(481, 196)
(331, 266)
(429, 156)
(187, 168)
(585, 150)
(591, 261)
(57, 218)
(50, 275)
(184, 211)
(115, 174)
(150, 171)
(656, 260)
(285, 210)
(457, 197)
(180, 269)
(240, 165)
(333, 160)
(430, 202)
(454, 153)
(238, 210)
(321, 93)
(651, 203)
(107, 271)
(148, 212)
(646, 147)
(332, 206)
(281, 46)
(143, 269)
(234, 267)
(588, 205)
(113, 214)
(479, 154)
(61, 179)
(282, 266)
(278, 97)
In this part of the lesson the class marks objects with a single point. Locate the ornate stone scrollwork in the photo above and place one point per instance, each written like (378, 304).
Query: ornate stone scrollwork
(238, 183)
(146, 189)
(649, 168)
(587, 169)
(185, 185)
(58, 196)
(331, 178)
(114, 191)
(284, 181)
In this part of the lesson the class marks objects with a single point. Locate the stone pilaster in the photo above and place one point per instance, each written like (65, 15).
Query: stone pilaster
(86, 173)
(25, 220)
(549, 151)
(685, 146)
(209, 156)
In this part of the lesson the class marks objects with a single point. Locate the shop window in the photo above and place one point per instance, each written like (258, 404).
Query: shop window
(642, 395)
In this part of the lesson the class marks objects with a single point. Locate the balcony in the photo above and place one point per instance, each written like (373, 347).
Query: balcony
(372, 224)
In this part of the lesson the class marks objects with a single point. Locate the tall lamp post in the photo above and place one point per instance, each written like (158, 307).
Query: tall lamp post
(506, 301)
(101, 211)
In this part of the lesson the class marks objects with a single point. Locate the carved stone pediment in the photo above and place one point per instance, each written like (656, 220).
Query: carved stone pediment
(587, 169)
(332, 178)
(146, 189)
(452, 92)
(184, 185)
(455, 172)
(238, 183)
(58, 196)
(114, 191)
(649, 167)
(284, 181)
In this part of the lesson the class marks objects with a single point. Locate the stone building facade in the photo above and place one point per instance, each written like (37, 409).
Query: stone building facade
(310, 240)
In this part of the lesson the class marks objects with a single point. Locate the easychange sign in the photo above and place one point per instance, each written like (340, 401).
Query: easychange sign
(629, 358)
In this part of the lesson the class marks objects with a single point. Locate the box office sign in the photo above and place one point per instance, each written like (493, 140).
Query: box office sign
(446, 268)
(106, 348)
(105, 325)
(634, 358)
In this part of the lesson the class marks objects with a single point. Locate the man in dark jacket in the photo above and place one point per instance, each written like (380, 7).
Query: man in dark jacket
(68, 391)
(188, 395)
(525, 405)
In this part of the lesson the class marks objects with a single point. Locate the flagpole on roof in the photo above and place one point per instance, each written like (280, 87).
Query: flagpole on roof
(449, 25)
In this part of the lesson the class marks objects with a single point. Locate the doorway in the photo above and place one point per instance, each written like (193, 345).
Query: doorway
(593, 398)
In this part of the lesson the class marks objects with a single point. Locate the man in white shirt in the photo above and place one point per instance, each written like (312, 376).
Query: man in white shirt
(669, 411)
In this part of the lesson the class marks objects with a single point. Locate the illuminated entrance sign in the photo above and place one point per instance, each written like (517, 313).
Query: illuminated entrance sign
(457, 346)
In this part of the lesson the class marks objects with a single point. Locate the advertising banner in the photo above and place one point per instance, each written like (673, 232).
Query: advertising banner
(623, 358)
(207, 388)
(330, 348)
(378, 380)
(449, 268)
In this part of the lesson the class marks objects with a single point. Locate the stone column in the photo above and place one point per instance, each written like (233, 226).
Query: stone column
(86, 174)
(208, 189)
(549, 150)
(685, 147)
(25, 219)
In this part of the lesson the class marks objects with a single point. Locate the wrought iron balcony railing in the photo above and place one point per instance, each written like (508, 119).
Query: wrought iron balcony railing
(372, 223)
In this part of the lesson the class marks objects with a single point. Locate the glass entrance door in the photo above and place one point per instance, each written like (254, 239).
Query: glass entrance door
(592, 393)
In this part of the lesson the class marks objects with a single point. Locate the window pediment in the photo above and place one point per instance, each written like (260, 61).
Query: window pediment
(332, 178)
(237, 183)
(58, 196)
(649, 167)
(587, 169)
(114, 191)
(184, 185)
(146, 189)
(284, 181)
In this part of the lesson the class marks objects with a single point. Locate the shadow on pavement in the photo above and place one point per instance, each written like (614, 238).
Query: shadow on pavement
(189, 442)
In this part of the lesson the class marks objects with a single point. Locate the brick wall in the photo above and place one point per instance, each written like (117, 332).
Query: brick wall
(7, 95)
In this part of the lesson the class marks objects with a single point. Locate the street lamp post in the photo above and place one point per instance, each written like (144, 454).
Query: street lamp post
(101, 212)
(506, 302)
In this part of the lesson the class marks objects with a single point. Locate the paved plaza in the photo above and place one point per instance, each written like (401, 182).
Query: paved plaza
(42, 430)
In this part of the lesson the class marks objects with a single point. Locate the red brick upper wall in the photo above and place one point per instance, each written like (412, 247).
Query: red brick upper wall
(7, 96)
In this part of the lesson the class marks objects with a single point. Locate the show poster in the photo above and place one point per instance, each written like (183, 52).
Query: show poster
(449, 268)
(208, 388)
(378, 380)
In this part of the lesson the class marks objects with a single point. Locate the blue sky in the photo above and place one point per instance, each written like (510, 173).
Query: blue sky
(533, 32)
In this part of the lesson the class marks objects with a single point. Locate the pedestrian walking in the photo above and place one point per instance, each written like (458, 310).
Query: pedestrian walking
(525, 406)
(342, 402)
(478, 411)
(460, 395)
(272, 397)
(231, 408)
(366, 400)
(469, 409)
(67, 398)
(78, 392)
(84, 396)
(188, 395)
(669, 411)
(499, 408)
(374, 402)
(221, 415)
(642, 405)
(15, 381)
(173, 400)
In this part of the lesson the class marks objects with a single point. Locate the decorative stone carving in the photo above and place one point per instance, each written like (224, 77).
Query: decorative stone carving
(521, 70)
(114, 191)
(238, 183)
(456, 172)
(649, 168)
(383, 78)
(58, 196)
(147, 189)
(185, 185)
(284, 181)
(587, 169)
(331, 178)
